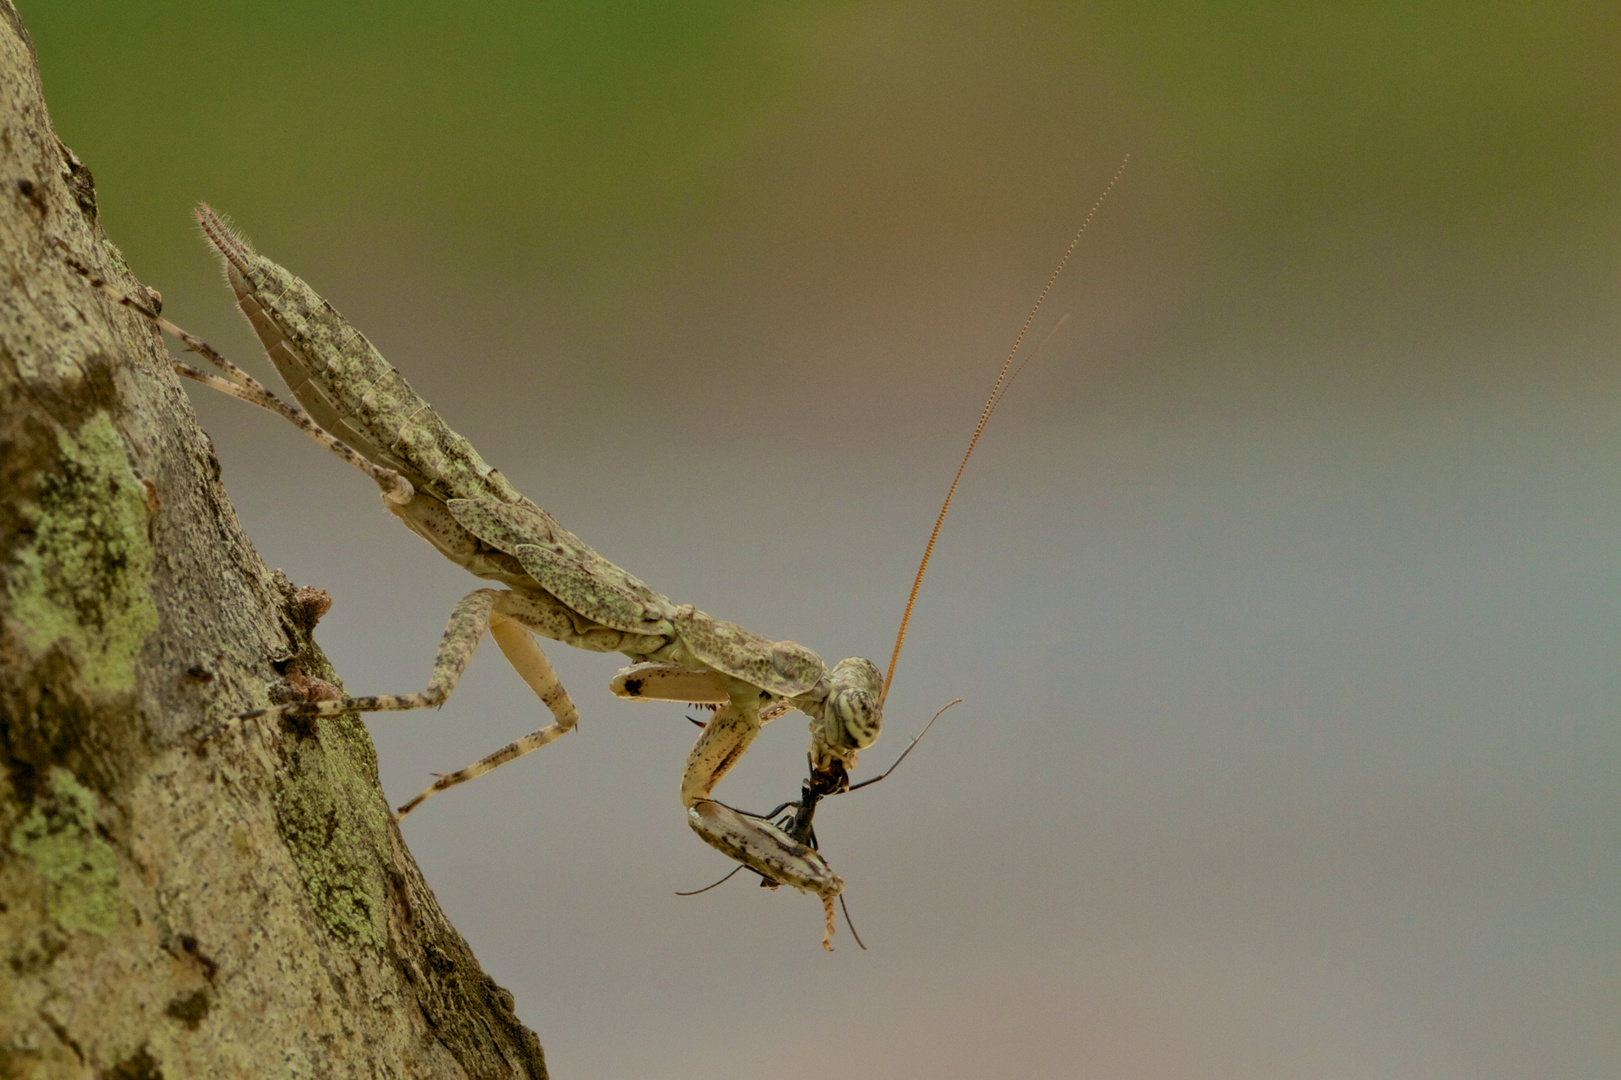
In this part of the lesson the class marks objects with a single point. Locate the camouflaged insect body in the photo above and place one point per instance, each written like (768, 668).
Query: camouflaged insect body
(344, 382)
(467, 509)
(356, 405)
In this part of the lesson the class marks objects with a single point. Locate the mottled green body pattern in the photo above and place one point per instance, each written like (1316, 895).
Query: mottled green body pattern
(346, 384)
(565, 566)
(782, 668)
(360, 408)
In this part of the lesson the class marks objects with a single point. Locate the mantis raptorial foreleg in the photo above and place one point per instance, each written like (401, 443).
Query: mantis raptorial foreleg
(754, 841)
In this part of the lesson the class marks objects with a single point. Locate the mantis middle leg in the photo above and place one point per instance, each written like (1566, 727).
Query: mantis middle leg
(503, 614)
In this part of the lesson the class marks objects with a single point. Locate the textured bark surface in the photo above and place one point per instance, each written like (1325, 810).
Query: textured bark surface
(175, 903)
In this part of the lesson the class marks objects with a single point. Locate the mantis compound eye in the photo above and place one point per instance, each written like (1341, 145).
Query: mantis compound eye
(854, 714)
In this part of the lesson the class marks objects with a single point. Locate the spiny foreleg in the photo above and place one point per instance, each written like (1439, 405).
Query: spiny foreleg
(755, 842)
(661, 681)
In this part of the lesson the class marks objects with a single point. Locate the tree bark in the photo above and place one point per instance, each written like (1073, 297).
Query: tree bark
(179, 896)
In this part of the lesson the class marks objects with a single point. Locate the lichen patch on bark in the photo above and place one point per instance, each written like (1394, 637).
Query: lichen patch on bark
(83, 582)
(80, 868)
(322, 801)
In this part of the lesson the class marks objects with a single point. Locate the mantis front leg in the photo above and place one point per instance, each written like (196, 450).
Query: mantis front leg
(752, 841)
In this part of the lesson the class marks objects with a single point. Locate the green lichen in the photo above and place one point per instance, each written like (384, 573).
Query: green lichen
(84, 581)
(79, 867)
(117, 255)
(336, 828)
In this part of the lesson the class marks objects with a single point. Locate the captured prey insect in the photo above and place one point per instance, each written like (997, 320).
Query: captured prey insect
(795, 818)
(359, 407)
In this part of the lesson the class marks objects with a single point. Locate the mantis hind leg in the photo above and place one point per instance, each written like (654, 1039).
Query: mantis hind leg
(239, 384)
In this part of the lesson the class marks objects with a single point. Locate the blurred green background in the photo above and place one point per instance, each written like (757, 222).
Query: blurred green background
(1285, 594)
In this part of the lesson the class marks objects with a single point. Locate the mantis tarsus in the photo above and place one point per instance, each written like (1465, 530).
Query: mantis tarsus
(359, 407)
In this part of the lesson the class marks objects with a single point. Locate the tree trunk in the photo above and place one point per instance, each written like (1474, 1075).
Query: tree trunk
(179, 896)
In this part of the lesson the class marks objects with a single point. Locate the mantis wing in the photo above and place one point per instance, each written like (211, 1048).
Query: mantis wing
(783, 668)
(565, 566)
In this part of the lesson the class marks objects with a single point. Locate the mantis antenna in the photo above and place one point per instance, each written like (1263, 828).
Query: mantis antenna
(995, 399)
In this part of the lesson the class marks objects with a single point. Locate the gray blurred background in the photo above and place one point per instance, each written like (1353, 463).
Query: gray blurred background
(1285, 590)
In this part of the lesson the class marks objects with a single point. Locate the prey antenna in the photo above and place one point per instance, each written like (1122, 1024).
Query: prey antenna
(850, 924)
(724, 880)
(984, 417)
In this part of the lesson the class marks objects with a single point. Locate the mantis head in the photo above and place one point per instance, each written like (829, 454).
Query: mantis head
(852, 715)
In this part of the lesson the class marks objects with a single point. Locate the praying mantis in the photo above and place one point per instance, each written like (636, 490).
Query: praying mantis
(354, 403)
